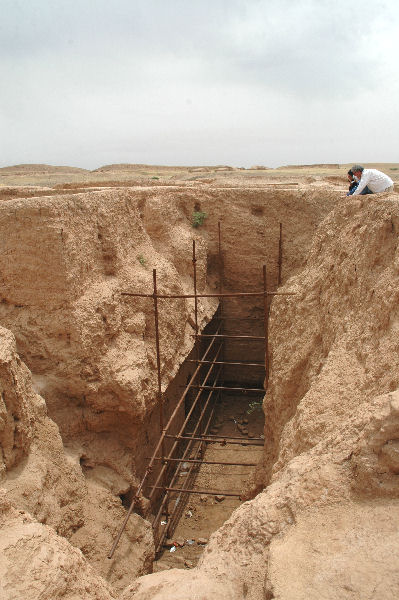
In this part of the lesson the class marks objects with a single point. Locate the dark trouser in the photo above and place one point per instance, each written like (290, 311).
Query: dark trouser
(365, 191)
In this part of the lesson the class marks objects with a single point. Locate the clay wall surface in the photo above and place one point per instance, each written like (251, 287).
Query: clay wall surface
(326, 524)
(40, 476)
(65, 260)
(73, 452)
(92, 356)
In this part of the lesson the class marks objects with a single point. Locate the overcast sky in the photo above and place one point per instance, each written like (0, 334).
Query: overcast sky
(179, 82)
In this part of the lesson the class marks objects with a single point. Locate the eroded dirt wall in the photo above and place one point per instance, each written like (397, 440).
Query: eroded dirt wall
(63, 263)
(250, 230)
(65, 260)
(39, 477)
(342, 348)
(326, 525)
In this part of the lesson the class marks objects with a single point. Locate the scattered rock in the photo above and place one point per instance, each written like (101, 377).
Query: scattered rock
(179, 543)
(161, 566)
(390, 455)
(188, 564)
(168, 543)
(202, 541)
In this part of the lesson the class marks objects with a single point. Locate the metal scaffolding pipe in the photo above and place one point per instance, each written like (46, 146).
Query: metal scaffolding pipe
(222, 441)
(230, 389)
(231, 337)
(205, 462)
(157, 449)
(195, 443)
(266, 324)
(227, 437)
(183, 425)
(219, 295)
(226, 362)
(158, 354)
(208, 492)
(186, 451)
(280, 254)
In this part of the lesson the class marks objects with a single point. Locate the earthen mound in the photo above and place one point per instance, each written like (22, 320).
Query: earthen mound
(40, 169)
(332, 432)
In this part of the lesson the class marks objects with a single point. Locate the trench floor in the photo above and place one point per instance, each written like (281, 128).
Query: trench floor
(203, 514)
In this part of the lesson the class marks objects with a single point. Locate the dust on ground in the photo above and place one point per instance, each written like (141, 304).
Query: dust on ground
(237, 416)
(65, 177)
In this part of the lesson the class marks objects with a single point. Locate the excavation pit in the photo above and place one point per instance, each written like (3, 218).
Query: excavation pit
(201, 514)
(208, 435)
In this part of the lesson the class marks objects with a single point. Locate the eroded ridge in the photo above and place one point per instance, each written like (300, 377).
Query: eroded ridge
(73, 456)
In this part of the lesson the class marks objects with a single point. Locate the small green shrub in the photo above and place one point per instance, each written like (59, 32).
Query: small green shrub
(142, 260)
(154, 177)
(254, 405)
(198, 218)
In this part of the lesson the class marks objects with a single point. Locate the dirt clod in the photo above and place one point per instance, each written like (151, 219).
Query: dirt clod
(202, 541)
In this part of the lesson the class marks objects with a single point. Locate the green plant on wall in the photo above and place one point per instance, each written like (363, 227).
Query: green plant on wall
(198, 218)
(142, 260)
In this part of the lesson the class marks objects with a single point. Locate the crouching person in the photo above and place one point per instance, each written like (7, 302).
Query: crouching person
(376, 181)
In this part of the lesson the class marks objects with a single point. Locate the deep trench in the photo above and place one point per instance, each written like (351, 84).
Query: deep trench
(230, 420)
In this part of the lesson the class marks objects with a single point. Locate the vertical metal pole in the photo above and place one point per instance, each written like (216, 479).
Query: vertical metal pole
(195, 299)
(266, 322)
(280, 254)
(160, 396)
(159, 391)
(220, 262)
(221, 311)
(196, 312)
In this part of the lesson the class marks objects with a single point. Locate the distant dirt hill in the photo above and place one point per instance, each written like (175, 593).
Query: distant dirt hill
(39, 169)
(129, 167)
(135, 167)
(314, 166)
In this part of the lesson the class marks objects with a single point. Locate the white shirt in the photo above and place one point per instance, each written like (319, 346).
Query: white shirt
(375, 180)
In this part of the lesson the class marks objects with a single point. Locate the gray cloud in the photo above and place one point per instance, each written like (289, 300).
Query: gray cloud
(173, 81)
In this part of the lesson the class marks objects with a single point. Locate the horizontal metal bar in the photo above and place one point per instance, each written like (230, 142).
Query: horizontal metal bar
(156, 451)
(252, 319)
(187, 451)
(236, 295)
(225, 440)
(190, 491)
(230, 437)
(205, 462)
(157, 448)
(224, 336)
(230, 389)
(226, 362)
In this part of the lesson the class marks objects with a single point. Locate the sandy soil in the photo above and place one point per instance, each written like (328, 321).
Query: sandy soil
(79, 418)
(203, 514)
(114, 175)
